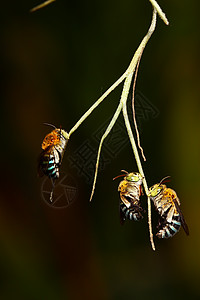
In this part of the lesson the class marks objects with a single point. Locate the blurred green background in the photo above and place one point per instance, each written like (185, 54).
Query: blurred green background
(54, 64)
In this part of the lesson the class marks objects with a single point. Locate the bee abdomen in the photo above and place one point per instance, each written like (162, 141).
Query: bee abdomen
(169, 229)
(50, 164)
(131, 213)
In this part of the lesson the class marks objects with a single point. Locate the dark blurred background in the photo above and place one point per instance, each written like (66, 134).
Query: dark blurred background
(55, 63)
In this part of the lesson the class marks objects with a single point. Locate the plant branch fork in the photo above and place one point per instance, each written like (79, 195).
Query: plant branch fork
(122, 107)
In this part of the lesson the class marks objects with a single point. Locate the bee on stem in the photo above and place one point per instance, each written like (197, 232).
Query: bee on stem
(167, 204)
(53, 148)
(130, 189)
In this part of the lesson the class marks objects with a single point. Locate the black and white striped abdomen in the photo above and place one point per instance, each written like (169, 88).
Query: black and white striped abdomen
(168, 229)
(131, 213)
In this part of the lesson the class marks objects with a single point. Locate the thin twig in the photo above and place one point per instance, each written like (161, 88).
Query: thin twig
(129, 69)
(139, 165)
(90, 110)
(159, 11)
(41, 5)
(150, 224)
(133, 109)
(133, 66)
(106, 133)
(123, 105)
(127, 123)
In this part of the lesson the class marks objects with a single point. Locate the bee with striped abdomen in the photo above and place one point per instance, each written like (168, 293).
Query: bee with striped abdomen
(130, 189)
(50, 159)
(167, 204)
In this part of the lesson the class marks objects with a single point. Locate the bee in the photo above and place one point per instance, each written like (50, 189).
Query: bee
(130, 189)
(167, 204)
(53, 146)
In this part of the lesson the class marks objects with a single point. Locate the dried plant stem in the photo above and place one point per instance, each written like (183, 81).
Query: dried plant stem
(127, 123)
(139, 165)
(159, 11)
(127, 76)
(131, 67)
(41, 5)
(123, 102)
(90, 110)
(133, 108)
(106, 133)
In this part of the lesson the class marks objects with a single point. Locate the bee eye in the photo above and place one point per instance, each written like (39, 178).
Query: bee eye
(158, 190)
(132, 178)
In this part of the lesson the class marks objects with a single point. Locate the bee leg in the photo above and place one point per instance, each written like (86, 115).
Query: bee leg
(137, 207)
(161, 223)
(141, 191)
(52, 190)
(137, 211)
(51, 196)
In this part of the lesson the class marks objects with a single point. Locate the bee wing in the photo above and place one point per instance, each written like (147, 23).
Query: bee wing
(121, 215)
(42, 167)
(170, 213)
(125, 200)
(183, 223)
(40, 161)
(39, 170)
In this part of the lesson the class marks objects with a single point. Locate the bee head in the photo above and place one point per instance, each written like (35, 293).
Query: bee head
(156, 189)
(134, 177)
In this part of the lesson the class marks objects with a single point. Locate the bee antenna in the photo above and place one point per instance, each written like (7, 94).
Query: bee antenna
(162, 180)
(118, 176)
(48, 124)
(124, 171)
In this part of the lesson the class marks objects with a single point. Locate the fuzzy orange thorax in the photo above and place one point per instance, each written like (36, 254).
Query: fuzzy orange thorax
(51, 139)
